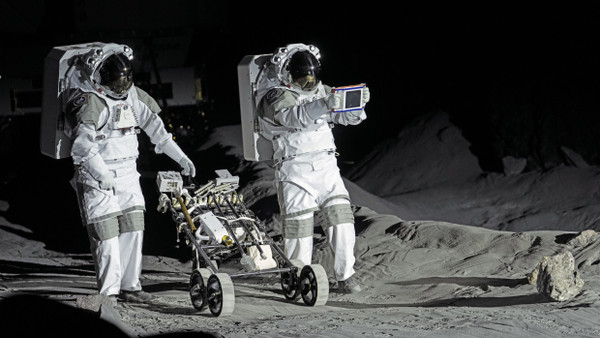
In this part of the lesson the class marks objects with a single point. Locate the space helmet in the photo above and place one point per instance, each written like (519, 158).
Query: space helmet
(297, 65)
(114, 76)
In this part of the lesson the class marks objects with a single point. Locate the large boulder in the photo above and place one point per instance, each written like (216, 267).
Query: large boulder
(556, 277)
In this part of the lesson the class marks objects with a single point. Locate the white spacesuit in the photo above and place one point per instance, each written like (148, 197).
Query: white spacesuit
(295, 111)
(109, 109)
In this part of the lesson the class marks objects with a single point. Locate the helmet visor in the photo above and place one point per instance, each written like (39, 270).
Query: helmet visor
(305, 70)
(116, 75)
(121, 85)
(307, 82)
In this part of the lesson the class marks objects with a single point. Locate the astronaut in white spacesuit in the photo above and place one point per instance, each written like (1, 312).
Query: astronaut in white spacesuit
(296, 114)
(109, 110)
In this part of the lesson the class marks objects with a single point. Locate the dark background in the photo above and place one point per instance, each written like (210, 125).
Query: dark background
(518, 81)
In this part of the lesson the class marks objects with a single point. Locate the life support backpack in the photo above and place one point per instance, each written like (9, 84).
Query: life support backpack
(250, 71)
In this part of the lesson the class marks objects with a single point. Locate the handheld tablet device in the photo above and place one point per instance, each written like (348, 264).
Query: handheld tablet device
(352, 98)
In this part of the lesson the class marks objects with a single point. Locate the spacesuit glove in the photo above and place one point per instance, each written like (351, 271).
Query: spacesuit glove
(357, 116)
(333, 101)
(107, 182)
(366, 95)
(187, 167)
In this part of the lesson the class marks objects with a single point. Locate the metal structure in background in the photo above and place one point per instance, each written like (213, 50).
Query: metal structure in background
(222, 233)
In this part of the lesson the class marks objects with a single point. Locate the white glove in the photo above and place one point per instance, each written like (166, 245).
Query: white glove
(333, 101)
(187, 167)
(366, 95)
(357, 114)
(107, 182)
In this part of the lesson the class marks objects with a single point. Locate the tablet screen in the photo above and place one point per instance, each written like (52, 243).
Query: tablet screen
(353, 98)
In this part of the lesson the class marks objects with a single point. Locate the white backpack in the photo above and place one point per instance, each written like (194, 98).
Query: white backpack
(250, 71)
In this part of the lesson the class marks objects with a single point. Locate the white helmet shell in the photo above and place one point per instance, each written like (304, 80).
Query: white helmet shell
(282, 55)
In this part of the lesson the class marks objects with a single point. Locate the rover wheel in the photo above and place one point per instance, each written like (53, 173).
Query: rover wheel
(289, 281)
(198, 281)
(220, 296)
(313, 285)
